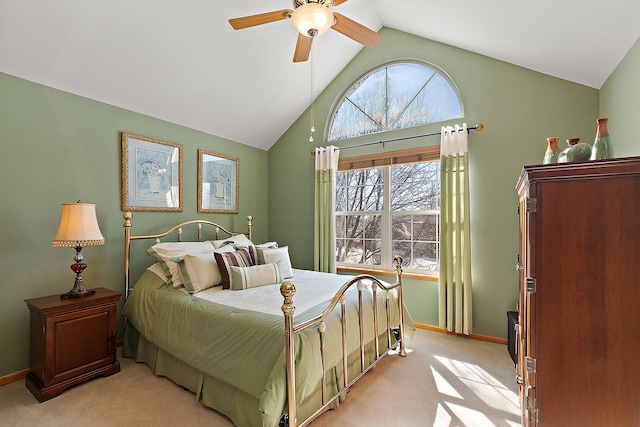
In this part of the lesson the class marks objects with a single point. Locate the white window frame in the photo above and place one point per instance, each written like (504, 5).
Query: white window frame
(387, 160)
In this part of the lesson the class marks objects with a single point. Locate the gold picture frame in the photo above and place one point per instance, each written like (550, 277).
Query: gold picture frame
(151, 174)
(218, 183)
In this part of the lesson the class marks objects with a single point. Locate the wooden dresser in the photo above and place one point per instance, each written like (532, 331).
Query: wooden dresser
(579, 294)
(72, 340)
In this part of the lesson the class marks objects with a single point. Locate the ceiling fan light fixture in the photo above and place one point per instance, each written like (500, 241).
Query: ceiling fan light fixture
(312, 19)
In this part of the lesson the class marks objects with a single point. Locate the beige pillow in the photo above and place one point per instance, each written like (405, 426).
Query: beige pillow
(279, 254)
(165, 252)
(239, 240)
(200, 271)
(261, 247)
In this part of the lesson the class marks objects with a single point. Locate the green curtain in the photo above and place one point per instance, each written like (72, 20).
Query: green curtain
(324, 223)
(455, 296)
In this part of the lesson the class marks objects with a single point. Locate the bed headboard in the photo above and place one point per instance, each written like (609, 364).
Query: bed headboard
(177, 230)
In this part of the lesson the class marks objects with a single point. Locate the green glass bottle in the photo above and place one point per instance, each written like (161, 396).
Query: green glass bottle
(602, 148)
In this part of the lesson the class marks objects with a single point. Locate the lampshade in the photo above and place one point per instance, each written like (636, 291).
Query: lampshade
(312, 19)
(78, 226)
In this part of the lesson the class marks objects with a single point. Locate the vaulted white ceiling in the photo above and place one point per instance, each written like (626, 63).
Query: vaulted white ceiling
(181, 61)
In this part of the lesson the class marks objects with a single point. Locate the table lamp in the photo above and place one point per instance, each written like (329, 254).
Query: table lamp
(78, 228)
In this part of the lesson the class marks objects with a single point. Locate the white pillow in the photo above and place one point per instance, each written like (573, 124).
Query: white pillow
(268, 245)
(239, 240)
(261, 247)
(254, 276)
(282, 254)
(165, 252)
(200, 271)
(157, 269)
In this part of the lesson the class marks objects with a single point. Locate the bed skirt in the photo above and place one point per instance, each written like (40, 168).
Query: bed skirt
(241, 408)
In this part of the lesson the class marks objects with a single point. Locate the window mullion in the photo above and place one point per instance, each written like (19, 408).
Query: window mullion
(387, 244)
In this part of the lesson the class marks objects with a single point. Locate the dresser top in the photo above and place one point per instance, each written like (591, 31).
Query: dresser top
(579, 170)
(53, 303)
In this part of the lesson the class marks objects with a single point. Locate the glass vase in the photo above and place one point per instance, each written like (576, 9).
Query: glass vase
(602, 148)
(551, 155)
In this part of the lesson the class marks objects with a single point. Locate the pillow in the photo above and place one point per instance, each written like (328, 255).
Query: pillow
(225, 260)
(268, 245)
(261, 247)
(157, 269)
(200, 271)
(255, 275)
(282, 254)
(239, 240)
(165, 252)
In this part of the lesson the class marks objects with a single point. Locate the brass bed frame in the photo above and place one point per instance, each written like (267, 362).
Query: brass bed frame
(395, 336)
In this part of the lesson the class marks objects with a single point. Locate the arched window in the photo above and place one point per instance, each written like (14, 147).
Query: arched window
(395, 96)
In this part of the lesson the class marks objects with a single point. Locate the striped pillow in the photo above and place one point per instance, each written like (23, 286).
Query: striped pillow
(225, 260)
(254, 276)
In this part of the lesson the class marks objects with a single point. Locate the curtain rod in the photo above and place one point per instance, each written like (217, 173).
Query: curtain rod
(478, 127)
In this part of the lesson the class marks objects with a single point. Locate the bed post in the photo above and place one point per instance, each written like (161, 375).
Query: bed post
(287, 289)
(127, 249)
(249, 226)
(398, 261)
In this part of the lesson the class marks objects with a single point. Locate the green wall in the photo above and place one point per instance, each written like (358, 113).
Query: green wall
(620, 101)
(58, 148)
(520, 108)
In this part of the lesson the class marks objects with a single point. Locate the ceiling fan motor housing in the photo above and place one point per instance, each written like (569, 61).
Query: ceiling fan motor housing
(312, 18)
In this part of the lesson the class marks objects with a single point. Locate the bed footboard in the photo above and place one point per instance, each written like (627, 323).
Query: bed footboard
(395, 337)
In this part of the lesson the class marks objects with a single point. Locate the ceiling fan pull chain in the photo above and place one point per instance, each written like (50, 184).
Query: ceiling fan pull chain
(313, 127)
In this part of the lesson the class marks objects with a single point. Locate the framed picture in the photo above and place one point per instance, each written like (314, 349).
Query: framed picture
(217, 183)
(151, 174)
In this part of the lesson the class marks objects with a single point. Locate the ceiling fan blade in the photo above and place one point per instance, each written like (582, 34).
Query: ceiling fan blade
(338, 2)
(355, 31)
(303, 48)
(263, 18)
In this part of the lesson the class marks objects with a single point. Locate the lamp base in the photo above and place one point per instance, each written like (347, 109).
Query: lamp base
(78, 290)
(73, 293)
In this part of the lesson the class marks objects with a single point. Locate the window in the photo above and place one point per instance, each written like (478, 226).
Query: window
(395, 96)
(388, 205)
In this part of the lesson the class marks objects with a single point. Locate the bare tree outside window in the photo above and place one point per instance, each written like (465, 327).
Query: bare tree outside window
(415, 213)
(385, 211)
(412, 215)
(395, 96)
(359, 234)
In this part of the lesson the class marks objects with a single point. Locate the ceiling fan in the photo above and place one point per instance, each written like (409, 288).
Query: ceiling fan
(312, 18)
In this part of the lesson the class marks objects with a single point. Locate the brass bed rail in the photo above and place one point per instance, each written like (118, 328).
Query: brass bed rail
(288, 290)
(128, 238)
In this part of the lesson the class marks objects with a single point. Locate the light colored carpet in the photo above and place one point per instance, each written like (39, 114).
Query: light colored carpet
(444, 381)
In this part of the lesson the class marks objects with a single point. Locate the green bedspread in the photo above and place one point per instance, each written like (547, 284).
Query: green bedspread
(243, 348)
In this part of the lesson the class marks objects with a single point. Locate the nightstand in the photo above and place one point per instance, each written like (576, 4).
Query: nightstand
(72, 340)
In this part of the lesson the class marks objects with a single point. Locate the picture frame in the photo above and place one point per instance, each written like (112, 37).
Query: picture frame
(218, 183)
(151, 174)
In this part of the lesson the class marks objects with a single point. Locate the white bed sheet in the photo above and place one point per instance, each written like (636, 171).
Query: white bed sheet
(312, 288)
